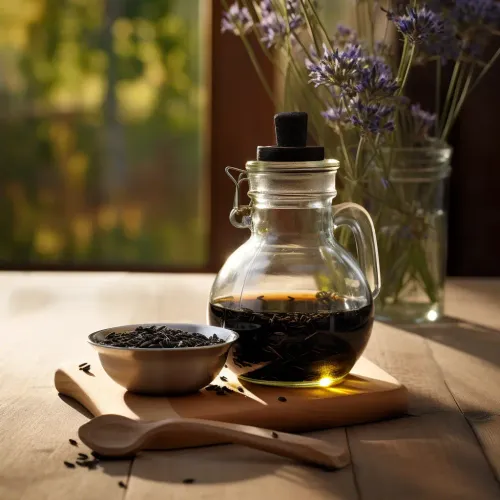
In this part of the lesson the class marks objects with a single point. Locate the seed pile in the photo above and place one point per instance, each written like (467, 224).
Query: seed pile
(158, 337)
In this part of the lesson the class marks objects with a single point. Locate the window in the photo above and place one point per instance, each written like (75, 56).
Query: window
(102, 120)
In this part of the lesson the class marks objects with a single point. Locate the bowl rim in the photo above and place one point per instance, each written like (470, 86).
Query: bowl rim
(234, 337)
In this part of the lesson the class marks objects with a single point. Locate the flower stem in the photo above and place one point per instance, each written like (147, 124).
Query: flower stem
(458, 104)
(309, 24)
(450, 93)
(439, 77)
(485, 70)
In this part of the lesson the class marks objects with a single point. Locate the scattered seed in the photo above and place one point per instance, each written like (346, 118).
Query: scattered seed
(282, 399)
(274, 435)
(291, 299)
(86, 368)
(72, 442)
(83, 456)
(225, 366)
(81, 365)
(95, 454)
(121, 484)
(223, 378)
(69, 465)
(241, 389)
(189, 480)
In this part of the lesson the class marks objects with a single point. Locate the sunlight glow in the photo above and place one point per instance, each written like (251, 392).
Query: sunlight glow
(432, 315)
(325, 381)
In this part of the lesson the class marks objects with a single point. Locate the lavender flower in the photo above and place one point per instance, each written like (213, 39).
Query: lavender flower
(474, 20)
(353, 72)
(474, 13)
(337, 116)
(345, 35)
(423, 121)
(374, 118)
(274, 25)
(430, 31)
(236, 20)
(423, 117)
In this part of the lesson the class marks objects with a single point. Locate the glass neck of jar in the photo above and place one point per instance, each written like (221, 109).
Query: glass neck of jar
(299, 185)
(293, 199)
(294, 223)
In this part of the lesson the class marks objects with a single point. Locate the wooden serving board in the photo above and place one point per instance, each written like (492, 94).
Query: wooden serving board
(367, 394)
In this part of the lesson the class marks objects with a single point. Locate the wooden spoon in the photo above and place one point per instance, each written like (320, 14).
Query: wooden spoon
(115, 435)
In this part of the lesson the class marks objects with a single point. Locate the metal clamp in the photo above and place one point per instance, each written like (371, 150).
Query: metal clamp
(240, 216)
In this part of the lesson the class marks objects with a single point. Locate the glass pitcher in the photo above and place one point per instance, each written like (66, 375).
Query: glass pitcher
(301, 304)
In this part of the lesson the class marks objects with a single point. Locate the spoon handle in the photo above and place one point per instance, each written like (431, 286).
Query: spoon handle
(293, 446)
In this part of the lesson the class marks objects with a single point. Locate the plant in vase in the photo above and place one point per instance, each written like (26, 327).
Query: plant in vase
(394, 154)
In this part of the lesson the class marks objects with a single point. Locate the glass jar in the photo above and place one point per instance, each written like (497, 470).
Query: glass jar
(301, 304)
(411, 223)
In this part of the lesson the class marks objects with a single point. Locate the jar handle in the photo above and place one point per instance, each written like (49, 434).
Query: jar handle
(361, 224)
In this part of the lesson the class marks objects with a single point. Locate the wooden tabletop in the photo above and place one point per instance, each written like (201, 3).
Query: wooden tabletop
(447, 448)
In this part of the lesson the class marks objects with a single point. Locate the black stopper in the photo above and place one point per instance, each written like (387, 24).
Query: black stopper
(291, 139)
(291, 129)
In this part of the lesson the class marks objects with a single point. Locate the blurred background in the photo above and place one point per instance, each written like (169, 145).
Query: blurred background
(117, 118)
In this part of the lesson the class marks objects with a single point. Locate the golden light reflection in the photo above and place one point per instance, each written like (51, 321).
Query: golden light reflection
(326, 381)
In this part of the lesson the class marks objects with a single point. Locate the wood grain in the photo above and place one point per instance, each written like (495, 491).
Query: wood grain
(408, 357)
(430, 456)
(229, 472)
(439, 454)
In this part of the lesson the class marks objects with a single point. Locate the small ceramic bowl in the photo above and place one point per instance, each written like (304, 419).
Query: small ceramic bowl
(164, 371)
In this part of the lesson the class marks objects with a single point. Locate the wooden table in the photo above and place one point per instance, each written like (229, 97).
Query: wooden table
(447, 448)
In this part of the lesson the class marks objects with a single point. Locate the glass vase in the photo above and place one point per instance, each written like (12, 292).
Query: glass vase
(407, 199)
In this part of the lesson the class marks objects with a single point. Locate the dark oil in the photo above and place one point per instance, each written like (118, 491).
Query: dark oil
(306, 340)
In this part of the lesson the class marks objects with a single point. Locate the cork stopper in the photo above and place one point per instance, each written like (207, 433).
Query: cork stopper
(291, 139)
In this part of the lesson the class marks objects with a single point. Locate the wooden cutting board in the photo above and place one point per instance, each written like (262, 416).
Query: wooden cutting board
(366, 395)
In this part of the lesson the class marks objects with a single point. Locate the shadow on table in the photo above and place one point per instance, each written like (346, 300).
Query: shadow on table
(230, 464)
(219, 464)
(479, 341)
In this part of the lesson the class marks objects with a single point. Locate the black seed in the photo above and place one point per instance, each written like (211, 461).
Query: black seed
(282, 399)
(241, 389)
(86, 368)
(121, 484)
(224, 379)
(82, 365)
(69, 465)
(83, 456)
(72, 442)
(189, 480)
(274, 435)
(95, 454)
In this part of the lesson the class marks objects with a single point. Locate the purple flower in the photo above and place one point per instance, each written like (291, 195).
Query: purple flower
(236, 20)
(430, 31)
(345, 35)
(377, 81)
(423, 121)
(339, 67)
(274, 25)
(374, 118)
(354, 72)
(470, 13)
(422, 117)
(336, 116)
(417, 24)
